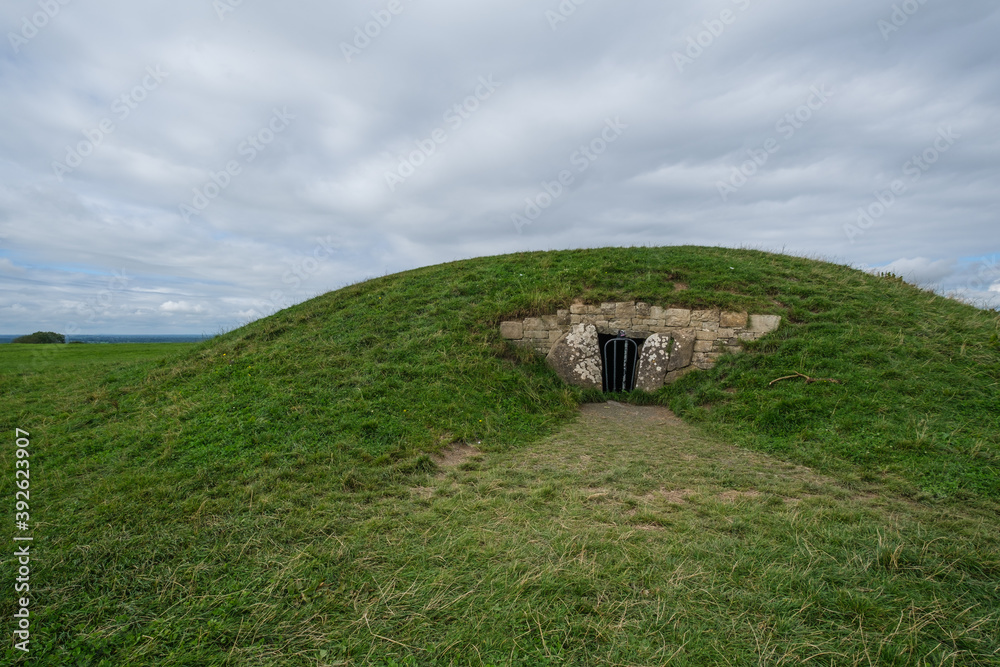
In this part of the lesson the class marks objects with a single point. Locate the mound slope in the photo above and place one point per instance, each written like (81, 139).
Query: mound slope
(378, 372)
(180, 495)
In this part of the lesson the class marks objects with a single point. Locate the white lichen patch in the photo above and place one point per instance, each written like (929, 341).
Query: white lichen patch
(653, 360)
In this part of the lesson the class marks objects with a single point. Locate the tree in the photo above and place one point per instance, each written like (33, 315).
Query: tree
(41, 337)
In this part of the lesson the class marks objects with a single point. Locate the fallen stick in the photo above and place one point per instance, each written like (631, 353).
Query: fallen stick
(807, 378)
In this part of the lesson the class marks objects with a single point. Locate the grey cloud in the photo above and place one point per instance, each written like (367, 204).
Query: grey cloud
(322, 180)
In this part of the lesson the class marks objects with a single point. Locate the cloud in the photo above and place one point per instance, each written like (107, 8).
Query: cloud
(920, 270)
(10, 267)
(181, 307)
(201, 88)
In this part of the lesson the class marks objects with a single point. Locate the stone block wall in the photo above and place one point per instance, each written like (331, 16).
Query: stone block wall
(713, 331)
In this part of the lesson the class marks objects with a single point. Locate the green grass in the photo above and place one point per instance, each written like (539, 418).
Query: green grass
(270, 496)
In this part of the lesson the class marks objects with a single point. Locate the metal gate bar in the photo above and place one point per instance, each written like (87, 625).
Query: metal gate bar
(617, 362)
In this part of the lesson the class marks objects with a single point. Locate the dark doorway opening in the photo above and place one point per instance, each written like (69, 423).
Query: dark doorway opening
(619, 356)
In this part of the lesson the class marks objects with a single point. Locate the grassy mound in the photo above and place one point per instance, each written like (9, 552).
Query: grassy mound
(212, 505)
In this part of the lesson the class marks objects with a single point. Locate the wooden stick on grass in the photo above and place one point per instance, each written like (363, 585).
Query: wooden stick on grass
(808, 379)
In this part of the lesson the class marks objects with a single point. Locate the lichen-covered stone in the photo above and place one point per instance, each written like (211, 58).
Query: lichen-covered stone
(683, 349)
(576, 357)
(653, 363)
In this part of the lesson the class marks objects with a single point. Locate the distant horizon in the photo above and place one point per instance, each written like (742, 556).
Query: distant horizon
(106, 333)
(70, 337)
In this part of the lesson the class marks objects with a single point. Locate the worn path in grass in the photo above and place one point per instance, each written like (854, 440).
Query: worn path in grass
(618, 450)
(632, 538)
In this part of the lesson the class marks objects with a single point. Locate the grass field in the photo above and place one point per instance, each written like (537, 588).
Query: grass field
(374, 477)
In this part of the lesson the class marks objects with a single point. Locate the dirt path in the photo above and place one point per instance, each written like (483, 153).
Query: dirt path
(639, 454)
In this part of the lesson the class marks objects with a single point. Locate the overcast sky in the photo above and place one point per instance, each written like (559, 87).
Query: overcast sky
(188, 166)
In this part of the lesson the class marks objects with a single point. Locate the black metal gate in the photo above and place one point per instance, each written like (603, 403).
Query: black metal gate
(619, 356)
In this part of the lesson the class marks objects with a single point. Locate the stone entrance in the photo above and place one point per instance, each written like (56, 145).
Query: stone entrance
(675, 341)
